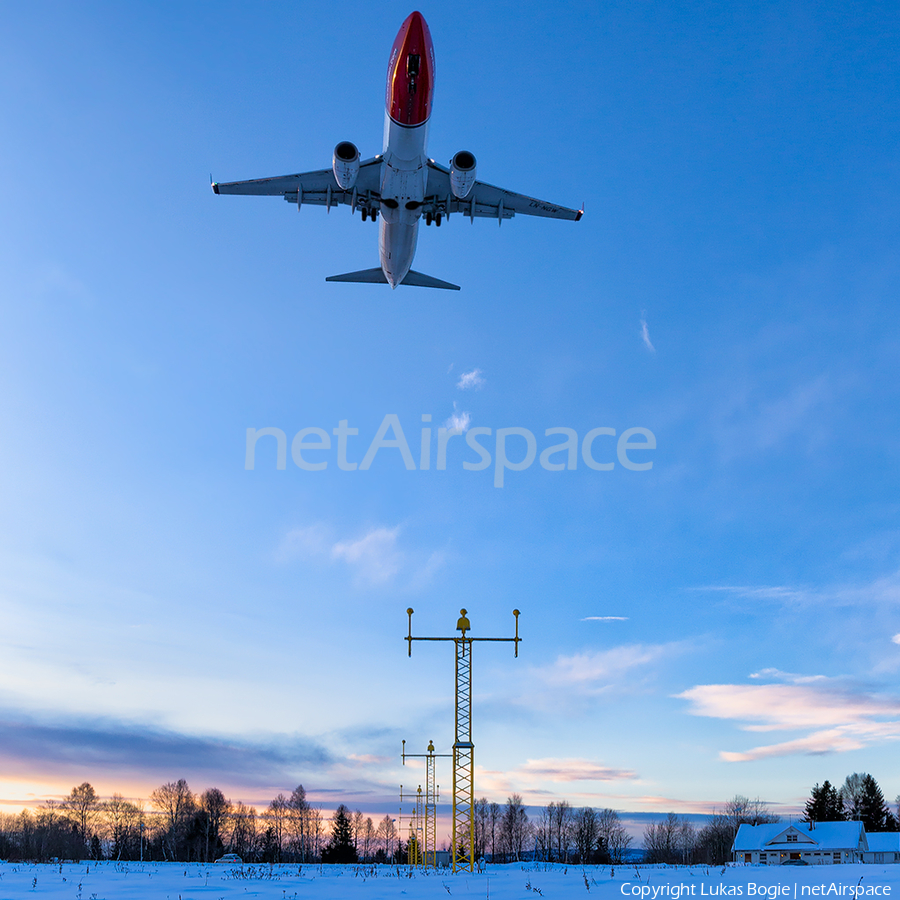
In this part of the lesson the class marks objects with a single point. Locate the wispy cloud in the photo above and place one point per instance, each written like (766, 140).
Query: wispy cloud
(883, 592)
(605, 619)
(645, 333)
(600, 671)
(552, 769)
(375, 557)
(777, 675)
(842, 719)
(776, 593)
(471, 381)
(460, 420)
(896, 638)
(535, 772)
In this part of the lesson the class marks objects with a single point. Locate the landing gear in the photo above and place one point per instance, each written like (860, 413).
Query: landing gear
(437, 219)
(428, 218)
(374, 214)
(365, 214)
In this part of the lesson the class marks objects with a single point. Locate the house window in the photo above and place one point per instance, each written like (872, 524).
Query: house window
(795, 856)
(762, 857)
(792, 837)
(837, 857)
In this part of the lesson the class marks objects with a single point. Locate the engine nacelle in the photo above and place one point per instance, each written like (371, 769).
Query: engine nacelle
(462, 174)
(345, 165)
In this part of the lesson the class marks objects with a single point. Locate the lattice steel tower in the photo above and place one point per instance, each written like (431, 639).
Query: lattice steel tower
(463, 846)
(431, 799)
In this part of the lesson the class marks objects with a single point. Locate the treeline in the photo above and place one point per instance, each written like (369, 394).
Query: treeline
(188, 827)
(675, 840)
(858, 799)
(559, 833)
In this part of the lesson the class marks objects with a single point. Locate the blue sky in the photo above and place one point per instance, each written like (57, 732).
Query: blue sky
(728, 621)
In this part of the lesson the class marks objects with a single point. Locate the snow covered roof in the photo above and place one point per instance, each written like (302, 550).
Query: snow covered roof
(884, 841)
(821, 836)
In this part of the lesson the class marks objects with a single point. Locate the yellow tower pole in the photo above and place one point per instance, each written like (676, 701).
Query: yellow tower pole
(463, 846)
(430, 809)
(431, 799)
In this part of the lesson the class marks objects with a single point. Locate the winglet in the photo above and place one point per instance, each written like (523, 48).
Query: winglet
(213, 184)
(580, 213)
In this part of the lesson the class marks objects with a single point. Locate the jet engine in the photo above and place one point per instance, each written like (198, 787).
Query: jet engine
(462, 174)
(345, 165)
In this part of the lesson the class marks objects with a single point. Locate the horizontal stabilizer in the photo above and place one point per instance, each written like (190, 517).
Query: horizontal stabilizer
(376, 276)
(366, 276)
(417, 279)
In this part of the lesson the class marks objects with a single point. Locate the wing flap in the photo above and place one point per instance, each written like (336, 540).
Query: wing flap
(317, 188)
(486, 201)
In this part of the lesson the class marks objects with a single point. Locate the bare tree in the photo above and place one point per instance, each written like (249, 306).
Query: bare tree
(543, 832)
(298, 824)
(387, 835)
(852, 793)
(561, 821)
(175, 802)
(741, 810)
(514, 828)
(82, 806)
(612, 835)
(122, 821)
(494, 819)
(670, 841)
(242, 822)
(367, 844)
(277, 815)
(586, 832)
(357, 822)
(215, 809)
(482, 814)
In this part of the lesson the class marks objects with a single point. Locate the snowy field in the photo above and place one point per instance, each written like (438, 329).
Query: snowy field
(527, 881)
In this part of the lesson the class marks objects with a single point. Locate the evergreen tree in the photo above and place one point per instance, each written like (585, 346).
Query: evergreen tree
(340, 848)
(825, 804)
(872, 809)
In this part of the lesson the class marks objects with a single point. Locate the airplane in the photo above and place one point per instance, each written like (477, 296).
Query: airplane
(402, 183)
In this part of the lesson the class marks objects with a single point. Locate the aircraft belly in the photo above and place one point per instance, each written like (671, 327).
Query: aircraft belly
(397, 246)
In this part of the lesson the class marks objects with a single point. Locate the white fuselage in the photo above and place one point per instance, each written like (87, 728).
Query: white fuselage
(404, 177)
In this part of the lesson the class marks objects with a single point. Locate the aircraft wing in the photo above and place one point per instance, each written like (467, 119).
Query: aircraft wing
(316, 188)
(487, 201)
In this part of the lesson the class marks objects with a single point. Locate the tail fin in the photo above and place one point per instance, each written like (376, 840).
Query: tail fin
(376, 276)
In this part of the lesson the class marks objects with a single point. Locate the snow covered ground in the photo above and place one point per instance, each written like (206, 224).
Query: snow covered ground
(527, 881)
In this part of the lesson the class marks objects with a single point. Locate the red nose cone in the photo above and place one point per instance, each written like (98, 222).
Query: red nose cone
(410, 77)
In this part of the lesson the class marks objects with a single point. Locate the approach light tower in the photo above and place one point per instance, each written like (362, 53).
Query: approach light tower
(431, 799)
(463, 845)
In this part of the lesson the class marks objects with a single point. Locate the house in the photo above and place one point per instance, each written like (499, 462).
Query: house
(818, 843)
(884, 847)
